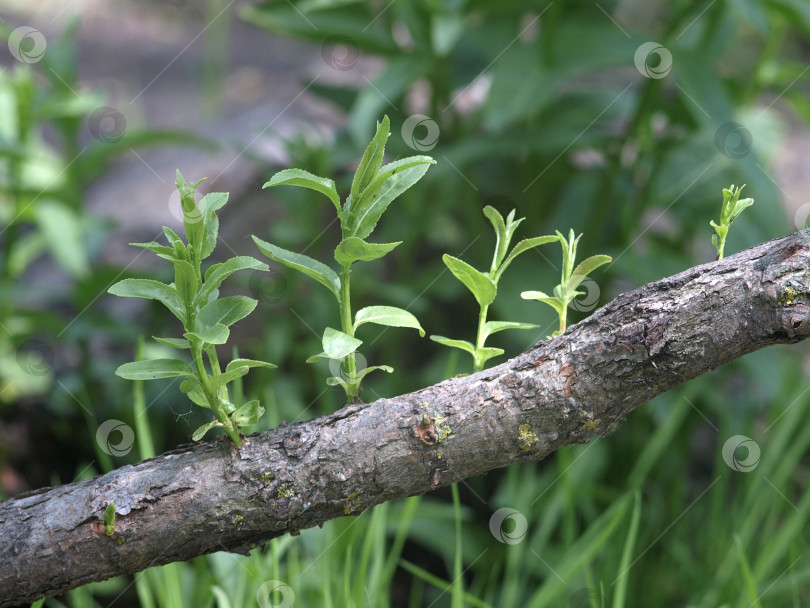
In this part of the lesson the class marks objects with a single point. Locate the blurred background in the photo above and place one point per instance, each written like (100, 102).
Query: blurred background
(622, 120)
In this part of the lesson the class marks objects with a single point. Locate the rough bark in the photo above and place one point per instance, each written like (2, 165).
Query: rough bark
(210, 497)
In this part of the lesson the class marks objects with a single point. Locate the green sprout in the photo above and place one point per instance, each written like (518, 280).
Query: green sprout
(373, 189)
(484, 286)
(194, 299)
(732, 207)
(109, 519)
(570, 280)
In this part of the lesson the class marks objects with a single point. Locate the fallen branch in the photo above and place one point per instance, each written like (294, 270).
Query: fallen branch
(210, 497)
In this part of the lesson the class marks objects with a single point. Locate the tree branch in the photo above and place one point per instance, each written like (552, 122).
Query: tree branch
(210, 497)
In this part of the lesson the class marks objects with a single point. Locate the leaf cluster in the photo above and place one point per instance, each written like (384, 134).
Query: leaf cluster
(732, 207)
(374, 187)
(571, 278)
(194, 299)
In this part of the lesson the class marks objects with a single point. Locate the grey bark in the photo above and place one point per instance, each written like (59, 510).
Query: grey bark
(211, 497)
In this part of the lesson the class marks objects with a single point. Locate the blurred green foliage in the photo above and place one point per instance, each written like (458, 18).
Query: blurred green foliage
(617, 119)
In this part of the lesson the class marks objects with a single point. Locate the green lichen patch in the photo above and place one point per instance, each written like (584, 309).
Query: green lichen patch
(353, 503)
(266, 478)
(788, 295)
(443, 430)
(284, 491)
(527, 437)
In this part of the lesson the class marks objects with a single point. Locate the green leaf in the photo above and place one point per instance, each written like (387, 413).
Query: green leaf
(462, 344)
(225, 311)
(372, 159)
(584, 268)
(305, 179)
(521, 247)
(491, 327)
(64, 236)
(228, 376)
(213, 334)
(153, 290)
(213, 279)
(248, 414)
(358, 376)
(209, 205)
(302, 263)
(353, 250)
(172, 342)
(481, 286)
(172, 237)
(153, 369)
(156, 248)
(194, 391)
(392, 180)
(185, 281)
(198, 434)
(485, 353)
(248, 363)
(501, 242)
(556, 303)
(336, 345)
(387, 315)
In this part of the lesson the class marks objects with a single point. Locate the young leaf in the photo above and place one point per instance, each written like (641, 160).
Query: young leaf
(185, 281)
(209, 205)
(358, 375)
(214, 279)
(336, 345)
(172, 342)
(462, 344)
(392, 180)
(485, 353)
(213, 334)
(153, 290)
(481, 286)
(521, 247)
(194, 391)
(248, 414)
(372, 159)
(228, 376)
(387, 315)
(556, 303)
(297, 261)
(353, 250)
(248, 363)
(305, 179)
(198, 434)
(491, 327)
(584, 268)
(152, 369)
(156, 248)
(501, 242)
(226, 311)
